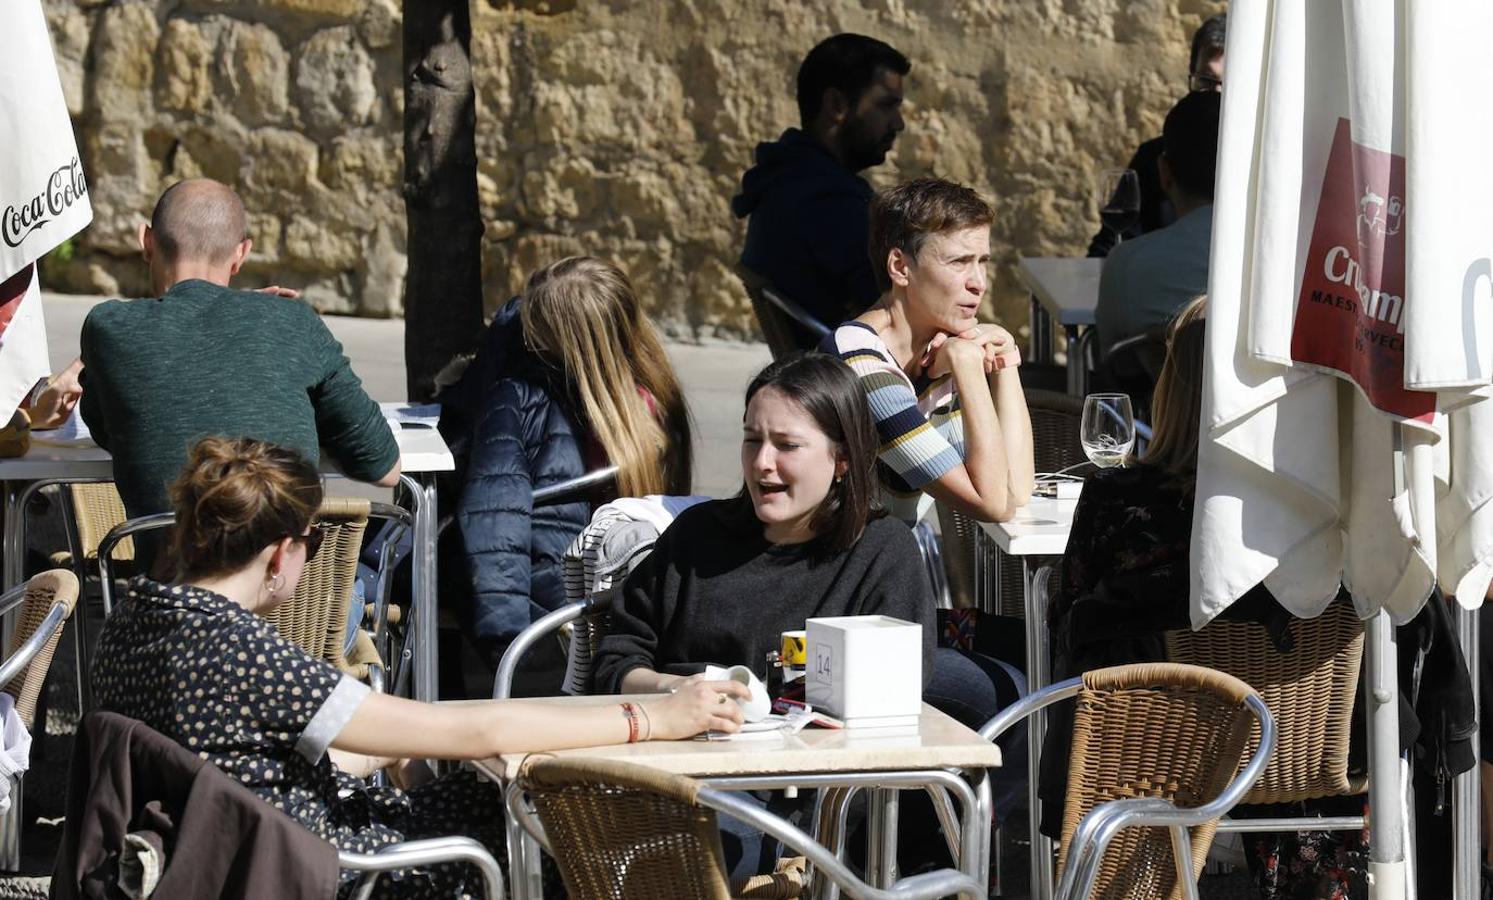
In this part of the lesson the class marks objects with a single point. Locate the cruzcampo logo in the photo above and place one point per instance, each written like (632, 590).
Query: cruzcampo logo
(63, 188)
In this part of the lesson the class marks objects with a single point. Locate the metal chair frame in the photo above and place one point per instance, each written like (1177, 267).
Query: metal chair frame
(1100, 825)
(14, 667)
(929, 885)
(777, 315)
(429, 851)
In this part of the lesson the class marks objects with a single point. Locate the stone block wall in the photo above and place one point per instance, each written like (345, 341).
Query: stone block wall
(613, 127)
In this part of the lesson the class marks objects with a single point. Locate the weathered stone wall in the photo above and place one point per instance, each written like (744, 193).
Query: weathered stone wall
(614, 127)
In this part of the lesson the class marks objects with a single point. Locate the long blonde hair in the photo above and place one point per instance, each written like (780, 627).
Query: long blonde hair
(584, 314)
(1177, 404)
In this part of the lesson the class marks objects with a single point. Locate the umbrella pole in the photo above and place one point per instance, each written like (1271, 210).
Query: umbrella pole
(1387, 872)
(1466, 805)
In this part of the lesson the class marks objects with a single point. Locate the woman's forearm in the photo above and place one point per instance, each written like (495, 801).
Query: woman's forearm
(388, 726)
(643, 680)
(393, 726)
(985, 452)
(1016, 433)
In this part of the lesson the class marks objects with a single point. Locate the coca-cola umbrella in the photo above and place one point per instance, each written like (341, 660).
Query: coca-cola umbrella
(1350, 337)
(43, 195)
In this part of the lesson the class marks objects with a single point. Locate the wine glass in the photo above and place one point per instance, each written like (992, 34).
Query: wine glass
(1108, 429)
(1118, 193)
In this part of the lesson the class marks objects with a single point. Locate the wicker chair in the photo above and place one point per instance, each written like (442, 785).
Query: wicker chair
(786, 326)
(1055, 446)
(1309, 688)
(316, 615)
(89, 510)
(975, 566)
(1155, 751)
(622, 831)
(46, 601)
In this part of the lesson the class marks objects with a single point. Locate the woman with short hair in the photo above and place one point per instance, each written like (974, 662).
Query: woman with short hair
(943, 388)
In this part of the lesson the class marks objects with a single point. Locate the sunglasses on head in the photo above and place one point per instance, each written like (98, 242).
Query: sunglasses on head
(312, 539)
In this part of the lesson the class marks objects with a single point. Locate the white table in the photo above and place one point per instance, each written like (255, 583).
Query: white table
(422, 453)
(1038, 529)
(1067, 290)
(813, 758)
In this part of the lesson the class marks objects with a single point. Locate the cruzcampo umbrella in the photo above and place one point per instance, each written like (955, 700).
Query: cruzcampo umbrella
(1350, 333)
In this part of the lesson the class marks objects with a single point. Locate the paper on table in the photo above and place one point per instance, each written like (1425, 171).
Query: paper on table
(72, 433)
(767, 729)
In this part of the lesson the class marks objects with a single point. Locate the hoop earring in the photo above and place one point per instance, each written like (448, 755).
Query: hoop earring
(275, 582)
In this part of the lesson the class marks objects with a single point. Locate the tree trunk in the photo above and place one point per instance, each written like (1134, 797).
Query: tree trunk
(443, 286)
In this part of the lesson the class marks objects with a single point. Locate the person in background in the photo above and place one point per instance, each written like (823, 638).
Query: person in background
(571, 378)
(943, 388)
(806, 234)
(1204, 74)
(203, 359)
(1145, 282)
(806, 537)
(194, 660)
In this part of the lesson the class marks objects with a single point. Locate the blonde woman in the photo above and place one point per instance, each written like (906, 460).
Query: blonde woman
(572, 377)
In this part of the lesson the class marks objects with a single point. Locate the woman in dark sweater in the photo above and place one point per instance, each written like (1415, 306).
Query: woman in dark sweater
(804, 538)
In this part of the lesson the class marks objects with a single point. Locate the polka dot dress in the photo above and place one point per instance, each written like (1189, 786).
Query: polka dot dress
(220, 681)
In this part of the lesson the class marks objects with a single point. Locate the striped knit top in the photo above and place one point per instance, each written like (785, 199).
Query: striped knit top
(917, 421)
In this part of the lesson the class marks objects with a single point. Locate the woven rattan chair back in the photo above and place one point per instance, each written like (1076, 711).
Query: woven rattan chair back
(582, 643)
(42, 591)
(97, 508)
(1152, 730)
(1310, 689)
(619, 831)
(316, 616)
(1056, 419)
(962, 544)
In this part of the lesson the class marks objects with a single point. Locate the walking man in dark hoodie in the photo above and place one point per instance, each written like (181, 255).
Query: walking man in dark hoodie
(809, 226)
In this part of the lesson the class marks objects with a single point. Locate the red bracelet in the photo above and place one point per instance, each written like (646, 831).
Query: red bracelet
(632, 722)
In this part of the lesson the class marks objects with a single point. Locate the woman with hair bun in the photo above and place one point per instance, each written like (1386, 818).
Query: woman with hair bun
(194, 661)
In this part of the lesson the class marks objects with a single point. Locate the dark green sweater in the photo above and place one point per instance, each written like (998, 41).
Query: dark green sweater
(207, 360)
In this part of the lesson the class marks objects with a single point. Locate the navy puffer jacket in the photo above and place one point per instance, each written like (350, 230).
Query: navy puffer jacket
(512, 430)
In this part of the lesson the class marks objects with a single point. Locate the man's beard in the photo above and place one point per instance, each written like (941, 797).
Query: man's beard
(862, 150)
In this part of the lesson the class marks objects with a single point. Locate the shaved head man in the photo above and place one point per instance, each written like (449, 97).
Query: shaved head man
(200, 359)
(198, 230)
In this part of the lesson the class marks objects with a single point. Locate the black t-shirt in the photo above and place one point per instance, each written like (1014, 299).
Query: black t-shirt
(715, 590)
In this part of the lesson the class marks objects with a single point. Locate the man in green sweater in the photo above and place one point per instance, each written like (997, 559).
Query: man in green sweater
(202, 359)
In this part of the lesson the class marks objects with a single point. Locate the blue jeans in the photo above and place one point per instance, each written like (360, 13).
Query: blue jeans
(972, 688)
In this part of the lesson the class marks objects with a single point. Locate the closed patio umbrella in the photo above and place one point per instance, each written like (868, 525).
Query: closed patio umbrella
(1350, 335)
(43, 195)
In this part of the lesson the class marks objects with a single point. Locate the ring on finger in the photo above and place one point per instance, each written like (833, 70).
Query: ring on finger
(721, 698)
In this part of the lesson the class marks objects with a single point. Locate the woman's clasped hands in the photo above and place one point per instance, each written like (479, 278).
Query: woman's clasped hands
(993, 345)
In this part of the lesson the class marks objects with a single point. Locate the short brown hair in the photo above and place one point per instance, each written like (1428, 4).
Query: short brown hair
(904, 216)
(235, 497)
